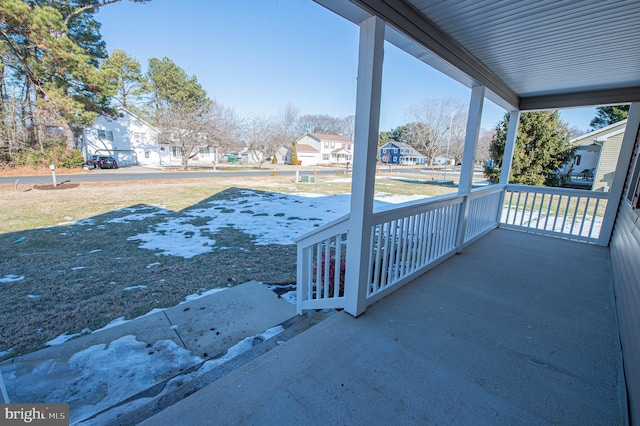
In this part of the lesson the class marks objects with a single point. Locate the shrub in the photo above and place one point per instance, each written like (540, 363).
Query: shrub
(54, 153)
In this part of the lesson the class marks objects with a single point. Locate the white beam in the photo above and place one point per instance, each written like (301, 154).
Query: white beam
(471, 138)
(367, 124)
(620, 176)
(468, 158)
(510, 146)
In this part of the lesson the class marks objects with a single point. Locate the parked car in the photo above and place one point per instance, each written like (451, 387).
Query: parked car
(91, 161)
(106, 162)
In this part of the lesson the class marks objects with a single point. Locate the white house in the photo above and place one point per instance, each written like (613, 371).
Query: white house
(127, 137)
(132, 140)
(320, 149)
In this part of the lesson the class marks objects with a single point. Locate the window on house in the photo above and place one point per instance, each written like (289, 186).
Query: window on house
(139, 137)
(333, 145)
(325, 157)
(326, 145)
(204, 151)
(105, 134)
(175, 151)
(147, 154)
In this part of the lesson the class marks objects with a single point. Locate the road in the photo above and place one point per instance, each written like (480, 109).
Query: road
(139, 173)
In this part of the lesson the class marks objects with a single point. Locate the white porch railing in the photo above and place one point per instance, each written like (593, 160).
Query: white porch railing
(405, 242)
(481, 217)
(559, 212)
(409, 240)
(321, 266)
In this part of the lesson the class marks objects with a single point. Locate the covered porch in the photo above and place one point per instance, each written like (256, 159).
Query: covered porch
(503, 333)
(500, 305)
(514, 56)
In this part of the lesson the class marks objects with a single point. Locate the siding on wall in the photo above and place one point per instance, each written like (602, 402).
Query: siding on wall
(625, 268)
(625, 265)
(608, 161)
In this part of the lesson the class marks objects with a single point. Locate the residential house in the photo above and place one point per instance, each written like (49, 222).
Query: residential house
(131, 140)
(254, 157)
(321, 149)
(596, 156)
(307, 155)
(126, 137)
(402, 153)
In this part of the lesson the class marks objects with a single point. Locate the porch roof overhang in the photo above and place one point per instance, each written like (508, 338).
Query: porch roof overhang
(529, 55)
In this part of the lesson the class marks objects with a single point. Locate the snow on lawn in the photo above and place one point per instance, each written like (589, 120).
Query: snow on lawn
(11, 278)
(271, 218)
(137, 213)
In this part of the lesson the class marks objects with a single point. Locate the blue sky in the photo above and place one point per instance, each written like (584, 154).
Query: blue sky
(256, 56)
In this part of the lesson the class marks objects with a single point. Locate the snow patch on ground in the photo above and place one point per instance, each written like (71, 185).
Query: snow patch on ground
(11, 278)
(134, 287)
(269, 218)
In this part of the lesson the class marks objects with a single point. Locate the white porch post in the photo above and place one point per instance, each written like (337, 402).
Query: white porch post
(468, 157)
(507, 158)
(370, 57)
(622, 168)
(510, 146)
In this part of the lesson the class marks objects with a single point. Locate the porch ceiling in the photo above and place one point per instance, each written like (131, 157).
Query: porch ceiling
(530, 55)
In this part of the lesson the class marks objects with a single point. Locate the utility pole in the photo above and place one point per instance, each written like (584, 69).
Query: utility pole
(448, 144)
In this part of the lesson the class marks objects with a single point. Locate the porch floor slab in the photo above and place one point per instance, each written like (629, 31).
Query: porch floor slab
(518, 329)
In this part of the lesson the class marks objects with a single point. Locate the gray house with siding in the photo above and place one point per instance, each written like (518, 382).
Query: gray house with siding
(597, 155)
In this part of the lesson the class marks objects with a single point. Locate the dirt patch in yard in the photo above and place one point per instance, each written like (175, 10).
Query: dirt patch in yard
(79, 277)
(50, 187)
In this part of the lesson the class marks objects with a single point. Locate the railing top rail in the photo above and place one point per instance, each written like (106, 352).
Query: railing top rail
(486, 190)
(325, 231)
(414, 207)
(559, 191)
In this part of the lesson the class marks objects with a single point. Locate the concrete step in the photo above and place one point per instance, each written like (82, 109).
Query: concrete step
(169, 349)
(161, 400)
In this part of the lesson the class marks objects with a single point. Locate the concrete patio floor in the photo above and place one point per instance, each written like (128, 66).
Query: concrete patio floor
(518, 329)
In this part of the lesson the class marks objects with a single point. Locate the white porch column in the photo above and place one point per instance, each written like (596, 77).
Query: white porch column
(471, 138)
(507, 158)
(510, 146)
(468, 157)
(370, 57)
(622, 169)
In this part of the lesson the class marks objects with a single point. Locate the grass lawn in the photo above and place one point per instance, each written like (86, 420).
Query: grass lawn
(81, 277)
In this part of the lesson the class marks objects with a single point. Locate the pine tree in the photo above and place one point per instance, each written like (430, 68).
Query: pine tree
(293, 157)
(542, 147)
(608, 115)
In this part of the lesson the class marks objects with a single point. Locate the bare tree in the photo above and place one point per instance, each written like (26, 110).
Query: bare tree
(484, 142)
(188, 128)
(14, 134)
(265, 135)
(225, 129)
(322, 123)
(431, 121)
(261, 139)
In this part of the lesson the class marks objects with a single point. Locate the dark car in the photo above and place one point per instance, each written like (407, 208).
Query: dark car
(91, 161)
(105, 162)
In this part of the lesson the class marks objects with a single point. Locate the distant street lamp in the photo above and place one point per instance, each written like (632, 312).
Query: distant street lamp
(448, 144)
